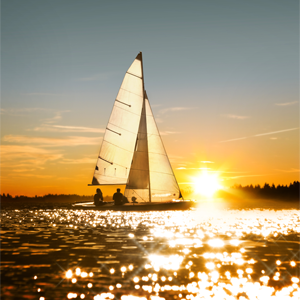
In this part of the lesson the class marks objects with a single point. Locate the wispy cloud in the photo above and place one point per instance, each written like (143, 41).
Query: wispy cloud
(242, 138)
(57, 116)
(245, 176)
(168, 132)
(184, 168)
(61, 128)
(21, 111)
(274, 132)
(260, 134)
(84, 160)
(236, 117)
(172, 109)
(20, 156)
(52, 142)
(292, 170)
(207, 162)
(287, 103)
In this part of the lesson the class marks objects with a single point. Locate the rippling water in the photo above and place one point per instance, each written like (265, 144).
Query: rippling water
(201, 254)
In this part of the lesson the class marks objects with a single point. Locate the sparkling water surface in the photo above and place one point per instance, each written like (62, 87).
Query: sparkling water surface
(198, 254)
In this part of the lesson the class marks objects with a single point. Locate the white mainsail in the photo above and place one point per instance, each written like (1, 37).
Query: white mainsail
(132, 151)
(119, 140)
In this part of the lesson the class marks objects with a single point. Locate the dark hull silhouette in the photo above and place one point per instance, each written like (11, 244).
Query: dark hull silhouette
(145, 206)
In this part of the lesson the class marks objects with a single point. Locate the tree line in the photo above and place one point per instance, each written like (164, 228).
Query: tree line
(290, 191)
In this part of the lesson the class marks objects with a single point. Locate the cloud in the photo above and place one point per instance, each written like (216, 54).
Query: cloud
(21, 111)
(84, 160)
(261, 134)
(168, 132)
(236, 117)
(242, 138)
(292, 170)
(286, 103)
(60, 128)
(57, 116)
(243, 176)
(274, 132)
(171, 109)
(20, 156)
(207, 162)
(53, 142)
(184, 168)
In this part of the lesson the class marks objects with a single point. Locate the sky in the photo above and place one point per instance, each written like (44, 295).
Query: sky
(222, 78)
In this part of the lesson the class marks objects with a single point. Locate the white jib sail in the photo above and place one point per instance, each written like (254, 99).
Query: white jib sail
(163, 183)
(151, 176)
(120, 136)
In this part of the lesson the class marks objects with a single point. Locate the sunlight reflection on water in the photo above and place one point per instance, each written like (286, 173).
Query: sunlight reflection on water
(207, 253)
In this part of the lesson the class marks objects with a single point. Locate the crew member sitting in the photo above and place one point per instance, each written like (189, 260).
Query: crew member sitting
(133, 199)
(118, 197)
(98, 198)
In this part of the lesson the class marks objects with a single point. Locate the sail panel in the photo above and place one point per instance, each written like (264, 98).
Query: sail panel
(139, 171)
(163, 183)
(136, 68)
(119, 140)
(124, 120)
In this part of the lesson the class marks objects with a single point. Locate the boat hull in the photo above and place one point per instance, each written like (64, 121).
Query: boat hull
(153, 206)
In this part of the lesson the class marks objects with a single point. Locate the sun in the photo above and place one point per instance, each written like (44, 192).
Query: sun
(207, 184)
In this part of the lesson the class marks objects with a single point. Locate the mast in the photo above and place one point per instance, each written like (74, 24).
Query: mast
(144, 104)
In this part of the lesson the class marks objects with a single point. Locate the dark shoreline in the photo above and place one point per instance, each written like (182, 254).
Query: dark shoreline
(222, 202)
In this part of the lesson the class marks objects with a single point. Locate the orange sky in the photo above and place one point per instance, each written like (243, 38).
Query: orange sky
(222, 79)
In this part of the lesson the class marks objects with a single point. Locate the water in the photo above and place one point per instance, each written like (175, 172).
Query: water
(200, 254)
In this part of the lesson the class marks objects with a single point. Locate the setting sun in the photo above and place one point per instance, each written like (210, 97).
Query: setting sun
(206, 184)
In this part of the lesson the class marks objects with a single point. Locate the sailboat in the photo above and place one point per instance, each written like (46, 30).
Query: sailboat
(132, 152)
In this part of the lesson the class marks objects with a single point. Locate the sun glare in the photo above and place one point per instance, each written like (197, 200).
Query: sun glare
(207, 184)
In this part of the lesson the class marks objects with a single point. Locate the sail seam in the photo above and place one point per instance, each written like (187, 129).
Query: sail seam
(123, 128)
(110, 176)
(126, 109)
(131, 92)
(134, 75)
(118, 146)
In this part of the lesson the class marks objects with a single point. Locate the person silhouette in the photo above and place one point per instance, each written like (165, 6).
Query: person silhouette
(98, 198)
(118, 197)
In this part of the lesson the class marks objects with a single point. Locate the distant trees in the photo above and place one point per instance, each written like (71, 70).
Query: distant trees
(288, 192)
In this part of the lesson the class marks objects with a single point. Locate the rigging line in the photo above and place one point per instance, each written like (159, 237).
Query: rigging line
(123, 103)
(113, 131)
(134, 75)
